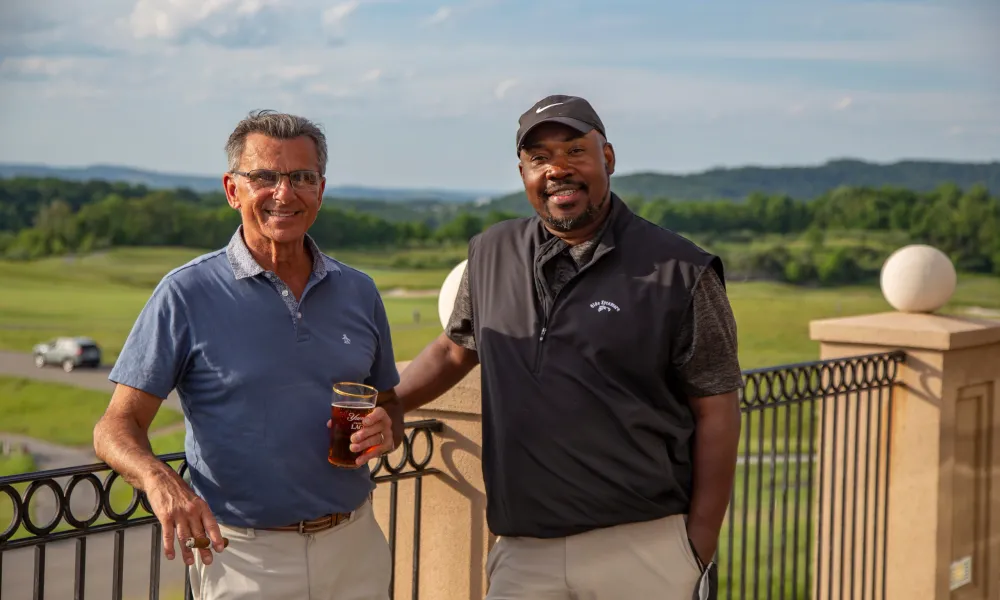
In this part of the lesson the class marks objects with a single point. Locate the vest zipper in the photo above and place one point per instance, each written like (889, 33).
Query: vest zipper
(541, 340)
(601, 251)
(552, 308)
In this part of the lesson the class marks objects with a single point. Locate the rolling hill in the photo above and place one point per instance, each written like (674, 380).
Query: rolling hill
(400, 204)
(801, 182)
(201, 183)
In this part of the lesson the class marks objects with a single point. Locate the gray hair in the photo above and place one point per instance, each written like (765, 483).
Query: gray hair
(277, 125)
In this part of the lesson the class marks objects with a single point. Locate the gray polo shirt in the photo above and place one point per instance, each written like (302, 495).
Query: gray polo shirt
(254, 369)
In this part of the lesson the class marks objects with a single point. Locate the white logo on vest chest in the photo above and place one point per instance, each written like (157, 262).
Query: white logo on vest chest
(604, 305)
(346, 339)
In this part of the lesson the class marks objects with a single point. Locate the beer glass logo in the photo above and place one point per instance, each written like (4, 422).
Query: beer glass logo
(604, 305)
(355, 420)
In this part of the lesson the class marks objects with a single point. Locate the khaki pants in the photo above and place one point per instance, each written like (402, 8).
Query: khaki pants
(348, 562)
(638, 560)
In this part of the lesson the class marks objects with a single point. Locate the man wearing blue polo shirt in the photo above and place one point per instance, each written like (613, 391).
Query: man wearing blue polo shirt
(253, 337)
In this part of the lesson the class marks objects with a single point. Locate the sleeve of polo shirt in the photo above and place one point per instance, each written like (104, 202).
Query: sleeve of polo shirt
(460, 326)
(156, 351)
(705, 357)
(384, 374)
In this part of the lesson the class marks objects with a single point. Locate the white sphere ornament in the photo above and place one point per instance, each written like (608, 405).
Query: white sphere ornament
(918, 279)
(449, 291)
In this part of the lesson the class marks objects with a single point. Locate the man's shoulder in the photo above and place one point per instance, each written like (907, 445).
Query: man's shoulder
(196, 271)
(351, 275)
(505, 230)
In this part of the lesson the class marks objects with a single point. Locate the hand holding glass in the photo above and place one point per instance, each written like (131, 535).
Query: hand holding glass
(352, 402)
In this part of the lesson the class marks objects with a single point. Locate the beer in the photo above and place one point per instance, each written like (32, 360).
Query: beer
(352, 402)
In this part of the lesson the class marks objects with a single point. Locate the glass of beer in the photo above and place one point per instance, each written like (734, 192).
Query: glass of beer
(352, 402)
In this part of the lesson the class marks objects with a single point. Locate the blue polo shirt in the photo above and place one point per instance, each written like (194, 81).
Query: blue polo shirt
(254, 369)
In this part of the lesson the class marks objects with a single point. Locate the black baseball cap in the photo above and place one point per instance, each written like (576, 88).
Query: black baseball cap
(572, 111)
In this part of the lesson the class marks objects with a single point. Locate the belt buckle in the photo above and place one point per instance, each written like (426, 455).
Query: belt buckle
(302, 527)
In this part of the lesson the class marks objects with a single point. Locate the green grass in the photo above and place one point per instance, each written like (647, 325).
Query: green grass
(58, 413)
(100, 295)
(14, 463)
(441, 258)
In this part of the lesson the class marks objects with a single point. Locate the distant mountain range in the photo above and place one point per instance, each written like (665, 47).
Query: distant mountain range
(800, 182)
(803, 182)
(202, 183)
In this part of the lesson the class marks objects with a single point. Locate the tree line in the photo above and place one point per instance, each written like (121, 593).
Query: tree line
(869, 222)
(44, 217)
(840, 236)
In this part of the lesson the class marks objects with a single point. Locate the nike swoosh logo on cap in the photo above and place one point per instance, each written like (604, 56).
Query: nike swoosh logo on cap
(549, 106)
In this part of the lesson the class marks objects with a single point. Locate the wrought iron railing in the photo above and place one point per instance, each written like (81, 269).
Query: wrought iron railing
(65, 524)
(807, 518)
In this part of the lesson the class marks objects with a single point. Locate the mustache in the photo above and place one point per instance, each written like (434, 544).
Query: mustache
(564, 186)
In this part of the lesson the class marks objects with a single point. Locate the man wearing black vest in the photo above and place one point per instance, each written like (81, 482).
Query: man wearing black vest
(609, 382)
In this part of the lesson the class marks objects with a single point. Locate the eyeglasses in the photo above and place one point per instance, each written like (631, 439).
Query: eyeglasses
(261, 179)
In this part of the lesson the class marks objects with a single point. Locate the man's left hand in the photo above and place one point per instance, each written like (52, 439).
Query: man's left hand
(374, 438)
(705, 543)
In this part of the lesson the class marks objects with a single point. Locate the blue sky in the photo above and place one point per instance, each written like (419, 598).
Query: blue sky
(415, 93)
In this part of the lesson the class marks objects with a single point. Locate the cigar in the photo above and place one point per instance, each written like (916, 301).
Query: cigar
(204, 542)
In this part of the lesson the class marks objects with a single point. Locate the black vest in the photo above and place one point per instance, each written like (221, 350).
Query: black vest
(584, 424)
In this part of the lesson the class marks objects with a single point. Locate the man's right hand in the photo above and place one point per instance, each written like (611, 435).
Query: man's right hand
(183, 515)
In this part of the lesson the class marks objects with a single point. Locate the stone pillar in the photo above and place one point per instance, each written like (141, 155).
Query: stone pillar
(943, 526)
(454, 538)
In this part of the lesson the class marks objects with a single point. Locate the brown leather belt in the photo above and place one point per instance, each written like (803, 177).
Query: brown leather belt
(319, 524)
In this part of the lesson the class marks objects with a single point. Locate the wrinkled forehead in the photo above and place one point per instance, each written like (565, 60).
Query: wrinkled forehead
(287, 153)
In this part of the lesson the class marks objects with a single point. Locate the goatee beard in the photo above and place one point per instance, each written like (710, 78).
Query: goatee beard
(567, 224)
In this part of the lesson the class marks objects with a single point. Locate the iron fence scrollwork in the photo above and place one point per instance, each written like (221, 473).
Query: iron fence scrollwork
(67, 523)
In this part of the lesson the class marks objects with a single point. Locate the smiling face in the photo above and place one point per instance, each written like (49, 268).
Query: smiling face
(567, 176)
(282, 213)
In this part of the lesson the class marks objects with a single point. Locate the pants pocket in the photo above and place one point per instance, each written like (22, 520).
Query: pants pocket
(491, 557)
(687, 547)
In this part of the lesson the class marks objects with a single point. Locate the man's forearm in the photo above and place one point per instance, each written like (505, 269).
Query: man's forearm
(717, 435)
(392, 405)
(124, 446)
(437, 368)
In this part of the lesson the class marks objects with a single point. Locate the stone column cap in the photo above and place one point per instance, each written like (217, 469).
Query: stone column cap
(907, 330)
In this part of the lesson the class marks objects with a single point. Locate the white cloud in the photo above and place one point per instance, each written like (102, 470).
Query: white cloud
(441, 15)
(334, 17)
(372, 75)
(844, 103)
(503, 87)
(169, 19)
